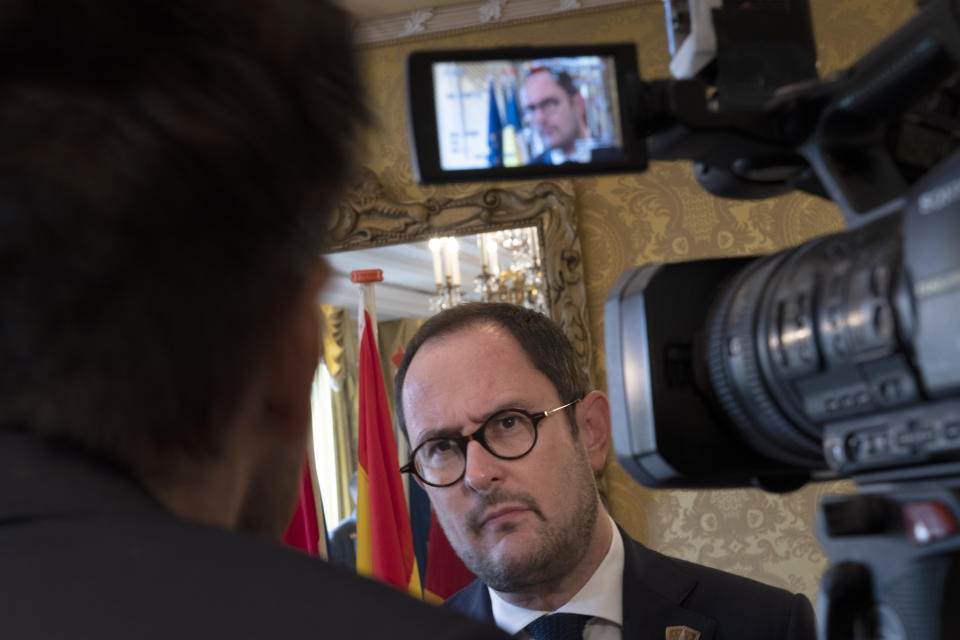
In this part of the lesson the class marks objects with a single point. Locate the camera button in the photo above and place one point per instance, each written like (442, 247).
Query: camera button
(952, 430)
(928, 521)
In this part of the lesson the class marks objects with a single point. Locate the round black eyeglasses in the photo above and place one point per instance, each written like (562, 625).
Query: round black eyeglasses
(508, 434)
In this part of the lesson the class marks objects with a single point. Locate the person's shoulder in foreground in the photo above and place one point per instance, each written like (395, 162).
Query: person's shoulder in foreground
(87, 553)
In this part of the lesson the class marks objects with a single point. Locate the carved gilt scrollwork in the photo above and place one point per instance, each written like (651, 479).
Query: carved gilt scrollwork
(367, 217)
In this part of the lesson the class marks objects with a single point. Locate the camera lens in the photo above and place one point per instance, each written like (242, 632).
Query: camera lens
(805, 337)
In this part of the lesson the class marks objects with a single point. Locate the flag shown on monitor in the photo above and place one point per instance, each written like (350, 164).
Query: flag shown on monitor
(514, 149)
(495, 130)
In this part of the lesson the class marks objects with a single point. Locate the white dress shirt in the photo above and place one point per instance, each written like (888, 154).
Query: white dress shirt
(601, 597)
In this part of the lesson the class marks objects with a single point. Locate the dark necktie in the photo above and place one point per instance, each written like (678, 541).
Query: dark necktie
(558, 626)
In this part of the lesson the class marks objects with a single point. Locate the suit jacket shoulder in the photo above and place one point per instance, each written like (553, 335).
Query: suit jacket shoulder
(473, 600)
(660, 592)
(87, 553)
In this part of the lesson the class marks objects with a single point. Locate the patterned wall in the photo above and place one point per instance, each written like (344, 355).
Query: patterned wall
(662, 215)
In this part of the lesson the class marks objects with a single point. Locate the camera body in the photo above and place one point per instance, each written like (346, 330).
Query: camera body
(837, 358)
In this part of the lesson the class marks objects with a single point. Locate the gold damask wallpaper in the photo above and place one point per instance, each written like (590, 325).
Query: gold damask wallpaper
(661, 215)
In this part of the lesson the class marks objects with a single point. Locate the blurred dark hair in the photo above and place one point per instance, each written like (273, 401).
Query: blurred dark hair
(560, 76)
(548, 348)
(165, 176)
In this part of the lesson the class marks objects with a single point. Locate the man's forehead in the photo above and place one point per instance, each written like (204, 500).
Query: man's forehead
(478, 334)
(542, 81)
(476, 369)
(487, 345)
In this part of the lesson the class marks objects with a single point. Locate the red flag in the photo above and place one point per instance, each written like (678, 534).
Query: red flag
(305, 529)
(384, 536)
(446, 574)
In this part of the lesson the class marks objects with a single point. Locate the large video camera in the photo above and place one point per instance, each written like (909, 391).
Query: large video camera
(838, 358)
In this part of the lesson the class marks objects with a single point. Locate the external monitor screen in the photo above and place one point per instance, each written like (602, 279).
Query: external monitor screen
(515, 113)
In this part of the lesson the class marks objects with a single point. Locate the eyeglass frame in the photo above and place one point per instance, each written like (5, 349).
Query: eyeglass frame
(547, 107)
(462, 441)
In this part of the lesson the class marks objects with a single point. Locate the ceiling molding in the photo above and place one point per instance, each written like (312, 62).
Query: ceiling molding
(478, 14)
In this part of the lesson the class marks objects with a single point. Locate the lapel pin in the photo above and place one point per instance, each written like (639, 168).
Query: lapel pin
(682, 633)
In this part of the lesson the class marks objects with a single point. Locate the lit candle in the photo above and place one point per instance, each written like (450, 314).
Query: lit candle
(453, 259)
(535, 241)
(482, 241)
(492, 246)
(436, 244)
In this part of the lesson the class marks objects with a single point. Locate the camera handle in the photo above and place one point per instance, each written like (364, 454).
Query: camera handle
(896, 554)
(846, 598)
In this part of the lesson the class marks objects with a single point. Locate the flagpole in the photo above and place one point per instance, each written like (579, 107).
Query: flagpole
(384, 535)
(366, 278)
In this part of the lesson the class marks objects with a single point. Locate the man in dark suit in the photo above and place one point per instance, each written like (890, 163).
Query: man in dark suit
(342, 543)
(165, 171)
(506, 437)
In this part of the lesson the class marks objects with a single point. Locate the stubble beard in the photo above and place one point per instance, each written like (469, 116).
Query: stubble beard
(557, 551)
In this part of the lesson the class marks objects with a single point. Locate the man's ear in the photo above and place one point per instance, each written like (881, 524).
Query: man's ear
(593, 418)
(292, 357)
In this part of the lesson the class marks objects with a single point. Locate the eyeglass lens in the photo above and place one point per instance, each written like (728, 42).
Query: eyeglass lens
(508, 434)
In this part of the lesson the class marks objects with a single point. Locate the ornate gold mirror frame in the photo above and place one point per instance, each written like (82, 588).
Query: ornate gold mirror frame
(367, 217)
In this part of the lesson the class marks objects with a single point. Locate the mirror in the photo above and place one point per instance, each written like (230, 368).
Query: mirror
(421, 278)
(367, 218)
(370, 230)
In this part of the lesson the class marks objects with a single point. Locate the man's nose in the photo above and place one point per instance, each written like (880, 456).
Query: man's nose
(483, 468)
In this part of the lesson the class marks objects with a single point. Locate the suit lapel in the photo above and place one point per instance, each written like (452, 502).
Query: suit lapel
(653, 593)
(473, 600)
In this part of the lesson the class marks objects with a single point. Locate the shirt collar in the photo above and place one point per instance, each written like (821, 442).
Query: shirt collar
(601, 596)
